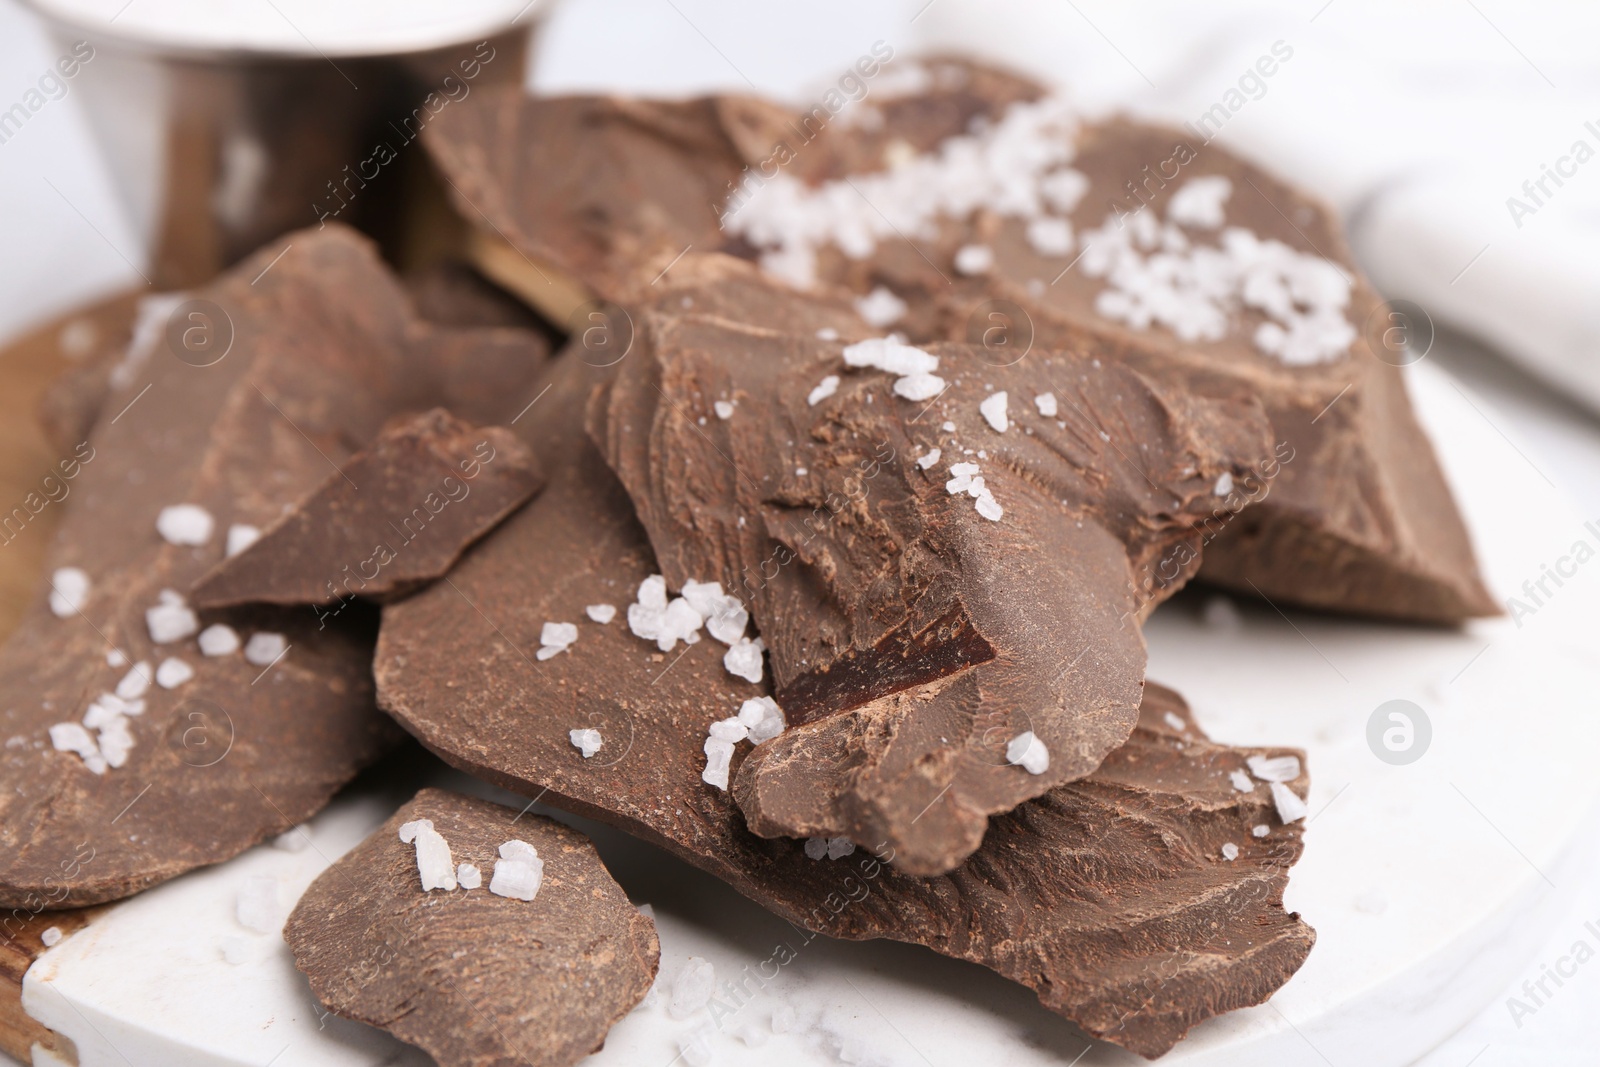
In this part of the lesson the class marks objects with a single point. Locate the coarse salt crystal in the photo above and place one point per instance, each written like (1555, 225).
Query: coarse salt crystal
(1175, 721)
(1274, 768)
(763, 718)
(219, 640)
(241, 536)
(169, 622)
(994, 412)
(1198, 202)
(1224, 484)
(518, 878)
(468, 876)
(69, 591)
(72, 737)
(435, 866)
(723, 409)
(408, 830)
(692, 987)
(1028, 752)
(719, 754)
(1290, 807)
(185, 524)
(974, 259)
(890, 354)
(173, 672)
(816, 847)
(825, 388)
(918, 387)
(840, 847)
(264, 648)
(1050, 236)
(585, 740)
(601, 613)
(1241, 781)
(555, 638)
(1046, 403)
(881, 308)
(988, 507)
(827, 333)
(928, 458)
(518, 849)
(1260, 830)
(51, 937)
(1230, 851)
(116, 658)
(136, 682)
(743, 659)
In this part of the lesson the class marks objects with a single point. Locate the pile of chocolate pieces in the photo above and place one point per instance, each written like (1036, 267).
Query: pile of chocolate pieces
(816, 555)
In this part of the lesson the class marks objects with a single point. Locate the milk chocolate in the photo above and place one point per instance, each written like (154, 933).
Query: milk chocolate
(913, 635)
(314, 358)
(1361, 519)
(1108, 896)
(473, 978)
(404, 508)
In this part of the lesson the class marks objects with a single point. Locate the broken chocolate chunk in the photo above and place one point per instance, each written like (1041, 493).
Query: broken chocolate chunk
(1109, 896)
(404, 508)
(149, 739)
(932, 577)
(474, 977)
(1361, 519)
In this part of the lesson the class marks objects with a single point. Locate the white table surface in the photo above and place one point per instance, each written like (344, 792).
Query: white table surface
(66, 242)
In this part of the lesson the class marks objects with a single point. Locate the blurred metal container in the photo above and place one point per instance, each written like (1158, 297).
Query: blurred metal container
(228, 122)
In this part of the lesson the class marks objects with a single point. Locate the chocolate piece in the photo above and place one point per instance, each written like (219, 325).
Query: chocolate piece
(452, 293)
(255, 741)
(1108, 896)
(914, 630)
(406, 507)
(473, 978)
(1361, 520)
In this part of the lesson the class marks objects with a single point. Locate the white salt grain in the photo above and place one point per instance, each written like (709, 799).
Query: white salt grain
(1224, 484)
(241, 536)
(918, 387)
(1274, 768)
(587, 741)
(1230, 851)
(692, 988)
(115, 658)
(136, 682)
(825, 388)
(408, 830)
(994, 412)
(518, 876)
(1175, 721)
(468, 876)
(816, 847)
(719, 754)
(881, 308)
(1290, 807)
(265, 647)
(763, 718)
(257, 907)
(219, 640)
(555, 638)
(434, 865)
(601, 613)
(1260, 830)
(723, 409)
(1198, 203)
(731, 729)
(169, 622)
(173, 672)
(1050, 236)
(827, 333)
(1241, 781)
(1046, 403)
(839, 847)
(743, 659)
(518, 849)
(51, 937)
(185, 524)
(72, 737)
(1028, 752)
(974, 259)
(69, 591)
(928, 458)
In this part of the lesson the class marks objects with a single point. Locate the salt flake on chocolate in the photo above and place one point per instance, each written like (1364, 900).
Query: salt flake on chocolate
(69, 591)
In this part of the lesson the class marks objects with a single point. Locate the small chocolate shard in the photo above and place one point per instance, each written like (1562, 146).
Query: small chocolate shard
(926, 627)
(1361, 519)
(1108, 896)
(251, 730)
(473, 978)
(406, 508)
